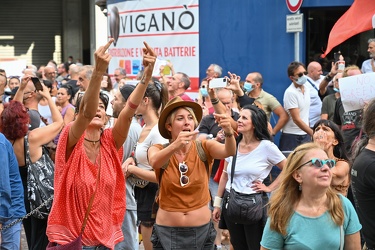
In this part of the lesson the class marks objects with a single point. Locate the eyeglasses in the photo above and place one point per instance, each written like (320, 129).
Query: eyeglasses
(184, 179)
(301, 74)
(320, 163)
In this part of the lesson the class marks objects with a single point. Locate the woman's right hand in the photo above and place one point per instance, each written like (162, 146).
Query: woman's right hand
(216, 214)
(102, 58)
(183, 139)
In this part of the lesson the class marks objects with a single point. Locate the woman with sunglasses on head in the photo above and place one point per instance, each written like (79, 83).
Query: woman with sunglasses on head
(304, 212)
(329, 137)
(88, 165)
(139, 170)
(256, 155)
(183, 168)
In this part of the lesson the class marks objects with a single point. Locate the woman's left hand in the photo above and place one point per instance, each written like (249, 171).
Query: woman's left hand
(259, 186)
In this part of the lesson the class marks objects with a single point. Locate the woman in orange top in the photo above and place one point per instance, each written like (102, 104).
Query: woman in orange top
(85, 148)
(183, 187)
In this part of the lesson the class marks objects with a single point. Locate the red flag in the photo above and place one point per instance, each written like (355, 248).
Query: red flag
(358, 18)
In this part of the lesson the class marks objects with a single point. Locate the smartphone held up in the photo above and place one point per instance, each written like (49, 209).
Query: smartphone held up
(38, 85)
(218, 83)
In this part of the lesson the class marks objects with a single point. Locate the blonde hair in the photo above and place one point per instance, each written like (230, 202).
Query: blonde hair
(172, 115)
(286, 197)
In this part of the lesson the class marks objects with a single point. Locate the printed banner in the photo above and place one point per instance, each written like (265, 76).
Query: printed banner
(170, 27)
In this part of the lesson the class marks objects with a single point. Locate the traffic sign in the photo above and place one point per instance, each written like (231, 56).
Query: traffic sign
(294, 5)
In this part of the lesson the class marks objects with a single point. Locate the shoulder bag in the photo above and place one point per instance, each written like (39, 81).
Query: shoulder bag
(40, 176)
(243, 208)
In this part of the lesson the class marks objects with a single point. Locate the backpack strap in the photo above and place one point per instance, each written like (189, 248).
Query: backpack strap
(202, 155)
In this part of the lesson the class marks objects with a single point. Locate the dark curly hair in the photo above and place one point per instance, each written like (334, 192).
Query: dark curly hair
(14, 120)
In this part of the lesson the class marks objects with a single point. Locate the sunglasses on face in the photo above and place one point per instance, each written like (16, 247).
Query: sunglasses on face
(184, 179)
(301, 74)
(320, 163)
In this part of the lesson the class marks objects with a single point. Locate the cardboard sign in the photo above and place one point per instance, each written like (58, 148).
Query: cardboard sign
(357, 90)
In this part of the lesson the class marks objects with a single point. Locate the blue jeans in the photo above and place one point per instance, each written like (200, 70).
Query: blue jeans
(11, 237)
(130, 230)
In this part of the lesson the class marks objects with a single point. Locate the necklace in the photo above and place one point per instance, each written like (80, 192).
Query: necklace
(94, 142)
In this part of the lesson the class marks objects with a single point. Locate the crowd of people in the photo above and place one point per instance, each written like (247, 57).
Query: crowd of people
(148, 158)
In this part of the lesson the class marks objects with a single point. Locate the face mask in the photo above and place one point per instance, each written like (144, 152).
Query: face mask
(336, 90)
(248, 87)
(203, 92)
(301, 80)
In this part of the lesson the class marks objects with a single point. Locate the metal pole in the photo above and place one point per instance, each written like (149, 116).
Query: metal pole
(296, 44)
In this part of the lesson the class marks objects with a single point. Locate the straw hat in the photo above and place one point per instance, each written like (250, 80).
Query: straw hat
(173, 104)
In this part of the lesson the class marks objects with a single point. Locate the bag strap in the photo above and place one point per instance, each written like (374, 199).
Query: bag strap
(313, 85)
(233, 166)
(91, 199)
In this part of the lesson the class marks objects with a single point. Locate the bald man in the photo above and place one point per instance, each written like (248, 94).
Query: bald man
(314, 77)
(269, 102)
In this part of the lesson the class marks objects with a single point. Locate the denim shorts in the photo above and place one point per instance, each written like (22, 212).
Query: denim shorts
(187, 238)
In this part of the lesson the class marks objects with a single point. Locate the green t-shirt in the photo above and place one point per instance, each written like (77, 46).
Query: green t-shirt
(306, 233)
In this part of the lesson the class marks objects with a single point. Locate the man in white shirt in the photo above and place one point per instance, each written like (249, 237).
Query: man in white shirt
(314, 77)
(297, 104)
(368, 66)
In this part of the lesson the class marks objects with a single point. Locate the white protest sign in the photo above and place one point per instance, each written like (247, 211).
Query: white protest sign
(356, 90)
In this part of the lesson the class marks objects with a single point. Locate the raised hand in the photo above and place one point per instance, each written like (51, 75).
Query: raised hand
(149, 59)
(102, 58)
(184, 138)
(223, 121)
(234, 84)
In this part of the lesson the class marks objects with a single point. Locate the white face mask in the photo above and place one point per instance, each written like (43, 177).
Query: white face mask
(301, 80)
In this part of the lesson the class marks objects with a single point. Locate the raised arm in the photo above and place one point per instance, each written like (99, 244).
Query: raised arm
(90, 101)
(121, 128)
(44, 135)
(19, 94)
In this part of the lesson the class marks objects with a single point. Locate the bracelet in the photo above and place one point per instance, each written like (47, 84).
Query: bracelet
(328, 78)
(228, 134)
(132, 105)
(217, 201)
(214, 101)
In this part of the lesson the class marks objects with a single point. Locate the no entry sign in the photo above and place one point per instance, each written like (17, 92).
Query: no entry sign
(293, 5)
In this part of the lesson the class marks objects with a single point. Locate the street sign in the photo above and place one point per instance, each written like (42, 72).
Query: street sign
(294, 5)
(294, 23)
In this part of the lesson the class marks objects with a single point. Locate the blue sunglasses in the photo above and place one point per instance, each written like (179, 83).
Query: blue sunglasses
(320, 163)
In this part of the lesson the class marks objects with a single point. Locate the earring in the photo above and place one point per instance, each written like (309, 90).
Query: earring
(300, 187)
